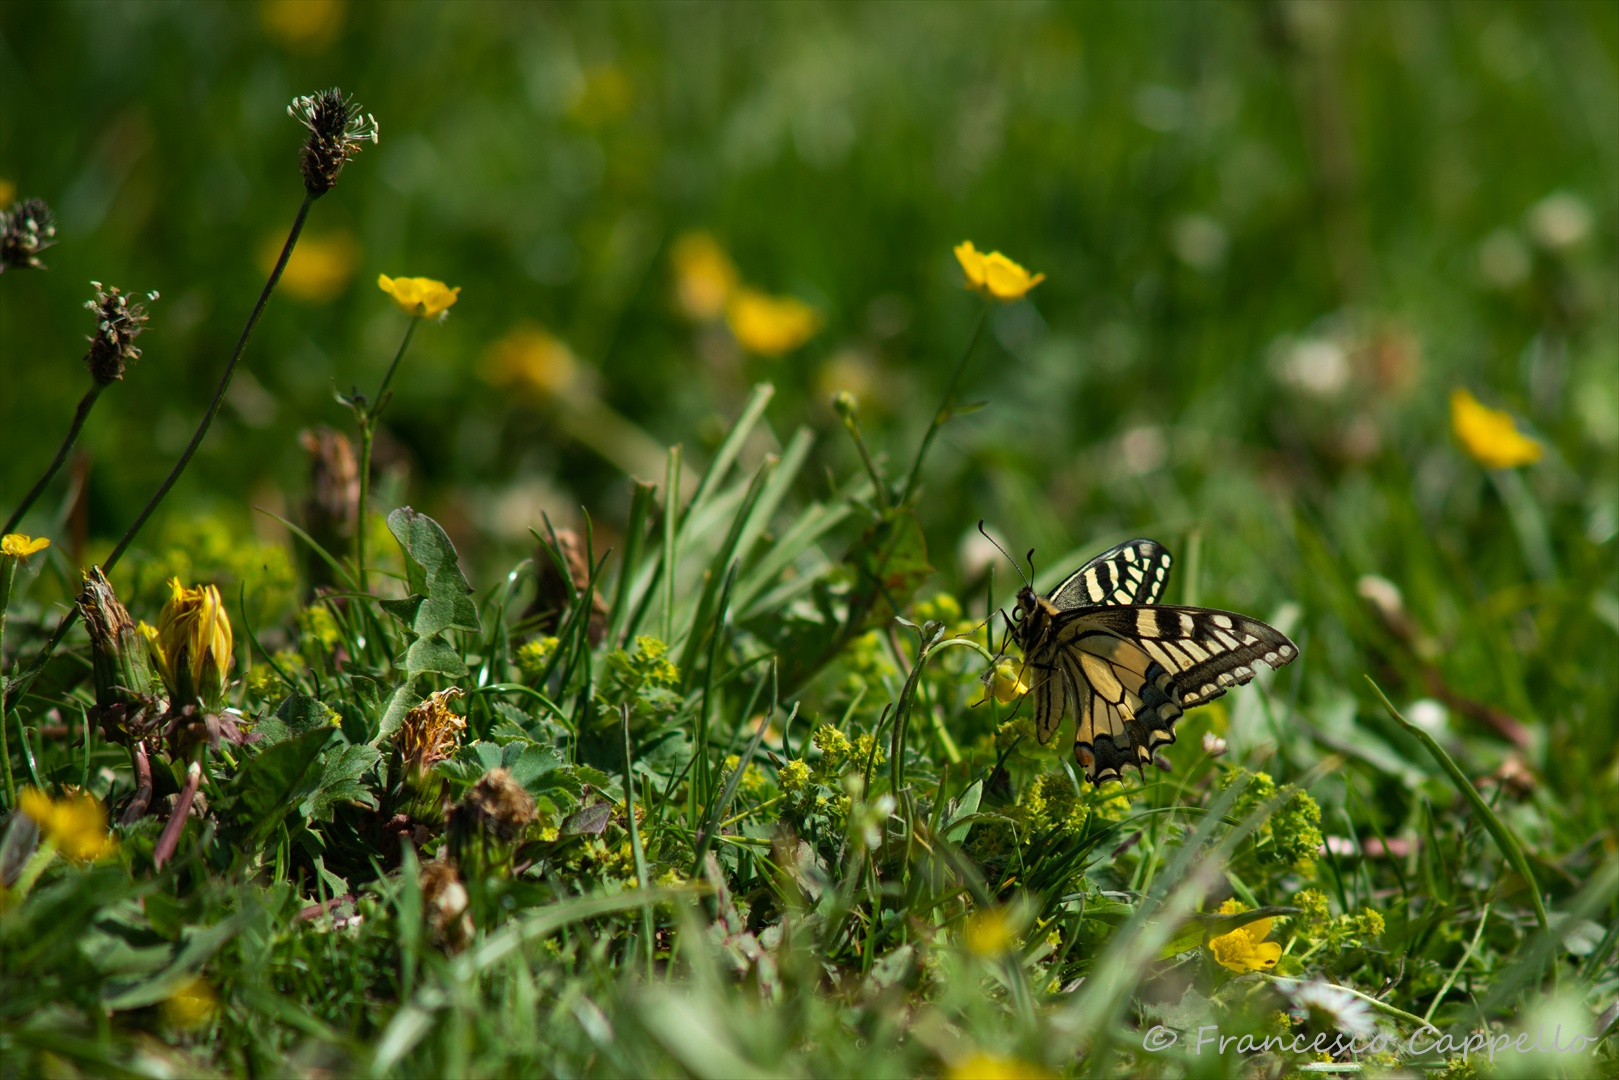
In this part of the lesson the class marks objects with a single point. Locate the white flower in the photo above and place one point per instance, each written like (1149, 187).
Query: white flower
(1336, 1008)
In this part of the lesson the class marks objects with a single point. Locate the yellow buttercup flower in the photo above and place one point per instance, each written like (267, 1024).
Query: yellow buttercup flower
(529, 358)
(76, 825)
(1245, 948)
(982, 1066)
(192, 644)
(992, 931)
(19, 546)
(704, 276)
(1003, 682)
(994, 274)
(1489, 434)
(419, 296)
(192, 1005)
(770, 325)
(320, 267)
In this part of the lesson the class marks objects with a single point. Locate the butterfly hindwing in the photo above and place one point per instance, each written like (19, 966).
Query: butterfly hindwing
(1134, 572)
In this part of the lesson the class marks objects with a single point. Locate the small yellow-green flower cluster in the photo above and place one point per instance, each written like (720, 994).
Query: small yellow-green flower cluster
(1350, 930)
(1051, 802)
(533, 655)
(754, 784)
(793, 776)
(1292, 835)
(866, 663)
(261, 681)
(318, 633)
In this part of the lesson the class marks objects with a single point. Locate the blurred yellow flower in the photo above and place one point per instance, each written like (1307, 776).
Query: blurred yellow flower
(77, 825)
(20, 547)
(770, 325)
(529, 358)
(982, 1066)
(191, 1005)
(302, 25)
(994, 274)
(992, 932)
(192, 644)
(704, 276)
(8, 192)
(419, 296)
(320, 267)
(1004, 682)
(604, 94)
(1489, 434)
(1245, 948)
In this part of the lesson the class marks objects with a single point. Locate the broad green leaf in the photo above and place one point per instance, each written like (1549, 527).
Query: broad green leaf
(342, 781)
(433, 654)
(434, 571)
(279, 778)
(297, 714)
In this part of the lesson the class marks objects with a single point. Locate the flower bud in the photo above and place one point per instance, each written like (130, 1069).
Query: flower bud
(124, 678)
(487, 825)
(846, 404)
(192, 646)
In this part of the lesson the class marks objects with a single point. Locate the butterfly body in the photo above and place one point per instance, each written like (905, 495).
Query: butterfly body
(1128, 667)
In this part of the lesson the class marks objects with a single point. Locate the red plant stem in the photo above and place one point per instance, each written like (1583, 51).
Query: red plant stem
(143, 787)
(177, 820)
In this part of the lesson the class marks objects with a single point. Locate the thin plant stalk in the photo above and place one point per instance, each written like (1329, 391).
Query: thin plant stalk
(20, 686)
(946, 404)
(80, 414)
(367, 416)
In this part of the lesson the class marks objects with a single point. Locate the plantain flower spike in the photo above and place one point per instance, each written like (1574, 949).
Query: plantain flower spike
(337, 128)
(192, 646)
(26, 229)
(118, 323)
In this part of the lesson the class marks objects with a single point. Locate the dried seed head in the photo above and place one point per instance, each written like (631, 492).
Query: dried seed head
(430, 732)
(118, 323)
(553, 593)
(444, 905)
(124, 679)
(487, 825)
(26, 229)
(331, 509)
(337, 127)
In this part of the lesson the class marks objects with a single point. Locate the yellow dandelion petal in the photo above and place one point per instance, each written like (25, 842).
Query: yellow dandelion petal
(1489, 435)
(705, 277)
(770, 325)
(982, 1066)
(990, 932)
(423, 297)
(77, 825)
(19, 546)
(194, 645)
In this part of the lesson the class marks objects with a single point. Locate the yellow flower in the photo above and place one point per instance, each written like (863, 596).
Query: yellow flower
(1003, 682)
(704, 276)
(770, 325)
(982, 1066)
(192, 644)
(76, 825)
(994, 274)
(529, 358)
(419, 296)
(191, 1005)
(1245, 948)
(1488, 434)
(992, 931)
(8, 192)
(320, 266)
(19, 546)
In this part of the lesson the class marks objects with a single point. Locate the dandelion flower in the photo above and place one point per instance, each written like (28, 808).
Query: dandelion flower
(431, 732)
(77, 825)
(1489, 434)
(419, 296)
(192, 644)
(705, 277)
(19, 546)
(994, 274)
(1003, 682)
(991, 932)
(770, 325)
(1245, 948)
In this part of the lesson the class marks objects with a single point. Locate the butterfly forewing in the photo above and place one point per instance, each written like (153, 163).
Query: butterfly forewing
(1134, 572)
(1204, 651)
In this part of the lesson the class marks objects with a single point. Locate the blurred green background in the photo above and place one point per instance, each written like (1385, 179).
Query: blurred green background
(1277, 235)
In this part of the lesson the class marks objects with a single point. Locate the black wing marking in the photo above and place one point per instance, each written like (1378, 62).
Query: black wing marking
(1131, 671)
(1134, 572)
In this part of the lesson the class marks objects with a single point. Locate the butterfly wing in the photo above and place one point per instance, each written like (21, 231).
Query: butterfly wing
(1134, 572)
(1131, 672)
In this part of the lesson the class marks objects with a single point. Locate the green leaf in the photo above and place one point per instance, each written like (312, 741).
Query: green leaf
(279, 778)
(890, 562)
(433, 654)
(342, 781)
(199, 944)
(297, 714)
(432, 569)
(955, 828)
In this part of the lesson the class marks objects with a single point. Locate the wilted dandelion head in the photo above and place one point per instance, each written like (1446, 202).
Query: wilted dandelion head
(118, 323)
(498, 806)
(25, 230)
(337, 128)
(444, 904)
(431, 731)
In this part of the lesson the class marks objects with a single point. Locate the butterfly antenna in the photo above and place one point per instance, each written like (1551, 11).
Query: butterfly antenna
(1030, 557)
(1003, 551)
